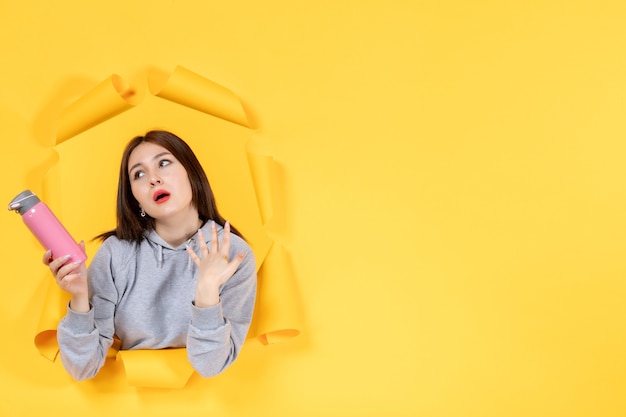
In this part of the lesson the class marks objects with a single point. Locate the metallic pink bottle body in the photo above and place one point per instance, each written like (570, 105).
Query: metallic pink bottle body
(52, 234)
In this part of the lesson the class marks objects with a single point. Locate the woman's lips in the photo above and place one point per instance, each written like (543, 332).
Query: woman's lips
(161, 196)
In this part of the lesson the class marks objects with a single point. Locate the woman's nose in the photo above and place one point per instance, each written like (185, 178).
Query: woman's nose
(155, 180)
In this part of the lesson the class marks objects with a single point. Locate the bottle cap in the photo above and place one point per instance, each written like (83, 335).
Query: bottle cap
(23, 202)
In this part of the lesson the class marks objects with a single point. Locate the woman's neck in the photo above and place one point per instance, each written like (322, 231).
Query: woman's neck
(176, 232)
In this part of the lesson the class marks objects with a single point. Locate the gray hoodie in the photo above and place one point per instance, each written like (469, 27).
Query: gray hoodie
(143, 294)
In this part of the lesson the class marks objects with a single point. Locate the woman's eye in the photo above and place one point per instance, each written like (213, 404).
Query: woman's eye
(164, 162)
(138, 174)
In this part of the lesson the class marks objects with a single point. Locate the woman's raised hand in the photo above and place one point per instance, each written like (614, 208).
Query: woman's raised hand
(214, 265)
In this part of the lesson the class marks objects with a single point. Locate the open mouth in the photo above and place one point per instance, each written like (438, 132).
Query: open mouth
(161, 196)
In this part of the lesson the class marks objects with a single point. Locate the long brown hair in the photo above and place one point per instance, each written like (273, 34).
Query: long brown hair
(130, 225)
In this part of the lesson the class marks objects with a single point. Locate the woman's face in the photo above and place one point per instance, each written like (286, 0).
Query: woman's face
(160, 183)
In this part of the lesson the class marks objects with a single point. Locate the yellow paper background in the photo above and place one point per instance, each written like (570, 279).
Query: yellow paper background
(450, 185)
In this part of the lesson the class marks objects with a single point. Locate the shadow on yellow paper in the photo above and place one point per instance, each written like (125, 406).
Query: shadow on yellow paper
(90, 134)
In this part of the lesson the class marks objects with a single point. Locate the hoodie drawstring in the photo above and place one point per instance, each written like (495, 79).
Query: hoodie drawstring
(192, 243)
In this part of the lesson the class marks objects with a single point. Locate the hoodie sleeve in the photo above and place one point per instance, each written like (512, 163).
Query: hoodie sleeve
(217, 333)
(85, 338)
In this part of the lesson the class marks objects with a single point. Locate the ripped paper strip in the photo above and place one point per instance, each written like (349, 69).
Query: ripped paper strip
(166, 368)
(108, 99)
(277, 316)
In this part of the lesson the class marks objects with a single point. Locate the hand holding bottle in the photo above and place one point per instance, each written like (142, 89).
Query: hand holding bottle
(64, 256)
(71, 277)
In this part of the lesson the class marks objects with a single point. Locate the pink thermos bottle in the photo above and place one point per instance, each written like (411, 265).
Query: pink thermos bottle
(46, 227)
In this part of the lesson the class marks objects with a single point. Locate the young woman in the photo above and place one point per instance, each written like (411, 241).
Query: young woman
(173, 273)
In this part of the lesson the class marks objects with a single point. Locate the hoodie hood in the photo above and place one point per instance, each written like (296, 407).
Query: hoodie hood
(160, 247)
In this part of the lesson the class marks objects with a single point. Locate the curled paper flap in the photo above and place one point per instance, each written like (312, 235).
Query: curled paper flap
(192, 90)
(46, 342)
(280, 315)
(108, 99)
(165, 368)
(261, 168)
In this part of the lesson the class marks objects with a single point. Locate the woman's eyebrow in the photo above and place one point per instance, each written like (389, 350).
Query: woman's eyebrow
(157, 156)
